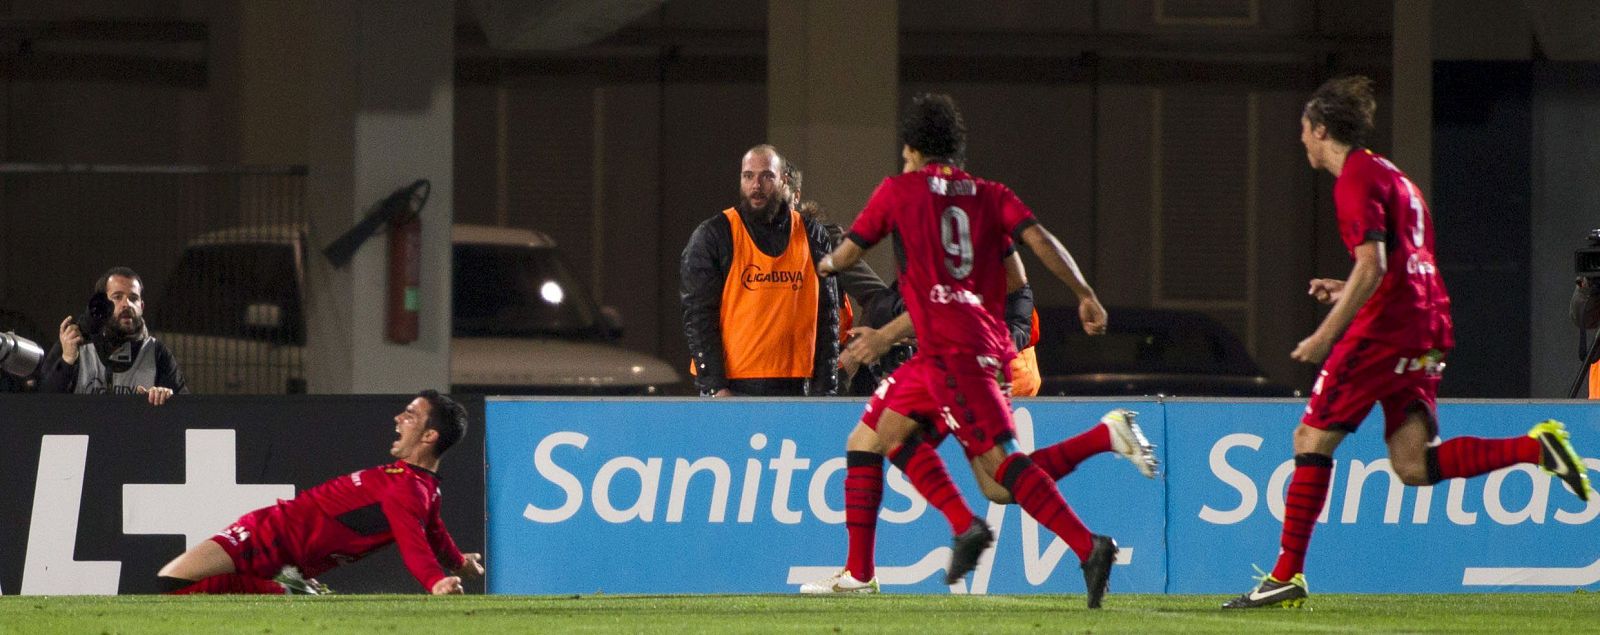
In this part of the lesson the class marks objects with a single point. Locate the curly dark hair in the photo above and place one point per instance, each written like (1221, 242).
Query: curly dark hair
(446, 417)
(932, 125)
(1346, 106)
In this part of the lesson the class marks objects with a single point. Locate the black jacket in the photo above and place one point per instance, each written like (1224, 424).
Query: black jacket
(704, 268)
(879, 301)
(1019, 316)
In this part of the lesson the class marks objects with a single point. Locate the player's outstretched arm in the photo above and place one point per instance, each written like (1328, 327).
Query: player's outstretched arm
(1363, 282)
(1016, 274)
(842, 257)
(405, 509)
(1060, 262)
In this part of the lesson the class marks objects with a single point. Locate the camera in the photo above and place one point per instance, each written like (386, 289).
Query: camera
(19, 356)
(93, 319)
(1586, 261)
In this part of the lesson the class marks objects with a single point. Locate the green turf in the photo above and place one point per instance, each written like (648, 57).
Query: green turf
(924, 614)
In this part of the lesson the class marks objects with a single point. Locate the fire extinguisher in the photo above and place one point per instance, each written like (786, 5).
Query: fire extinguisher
(405, 263)
(405, 273)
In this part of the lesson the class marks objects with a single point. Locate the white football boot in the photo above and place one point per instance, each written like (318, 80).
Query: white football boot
(840, 583)
(1128, 441)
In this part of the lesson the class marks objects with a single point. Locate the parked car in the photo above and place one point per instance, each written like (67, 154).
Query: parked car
(233, 314)
(1148, 352)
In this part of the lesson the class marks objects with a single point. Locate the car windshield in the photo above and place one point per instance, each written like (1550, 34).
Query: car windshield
(1141, 341)
(215, 287)
(518, 291)
(1144, 351)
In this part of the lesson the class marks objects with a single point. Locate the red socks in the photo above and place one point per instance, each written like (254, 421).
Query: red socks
(863, 494)
(1462, 457)
(922, 465)
(1060, 459)
(1036, 493)
(1308, 490)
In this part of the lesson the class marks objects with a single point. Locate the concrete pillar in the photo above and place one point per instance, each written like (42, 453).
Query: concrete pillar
(833, 96)
(379, 80)
(1413, 92)
(270, 100)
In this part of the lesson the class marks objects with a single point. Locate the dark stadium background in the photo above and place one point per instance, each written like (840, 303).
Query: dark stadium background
(1158, 137)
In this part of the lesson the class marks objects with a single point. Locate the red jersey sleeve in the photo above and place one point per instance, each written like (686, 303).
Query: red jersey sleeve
(406, 508)
(444, 547)
(1014, 214)
(875, 221)
(1359, 208)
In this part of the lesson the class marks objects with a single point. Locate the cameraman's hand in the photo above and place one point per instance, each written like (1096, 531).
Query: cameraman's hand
(157, 395)
(71, 339)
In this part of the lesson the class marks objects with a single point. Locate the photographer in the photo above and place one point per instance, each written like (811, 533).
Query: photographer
(108, 349)
(1585, 314)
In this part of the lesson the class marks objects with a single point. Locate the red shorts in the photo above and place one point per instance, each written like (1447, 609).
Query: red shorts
(255, 543)
(1360, 372)
(964, 395)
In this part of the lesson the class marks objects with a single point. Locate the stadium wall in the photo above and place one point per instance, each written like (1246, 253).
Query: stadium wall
(100, 492)
(744, 496)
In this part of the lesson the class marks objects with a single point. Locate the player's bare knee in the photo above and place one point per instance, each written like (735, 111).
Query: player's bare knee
(1411, 465)
(199, 562)
(1309, 440)
(863, 439)
(1304, 439)
(996, 492)
(1413, 473)
(170, 568)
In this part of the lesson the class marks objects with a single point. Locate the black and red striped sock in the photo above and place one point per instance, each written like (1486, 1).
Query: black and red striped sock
(1036, 493)
(1062, 458)
(863, 493)
(926, 472)
(1464, 457)
(1302, 504)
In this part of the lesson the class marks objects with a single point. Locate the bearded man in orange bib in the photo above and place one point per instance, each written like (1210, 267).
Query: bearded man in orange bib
(758, 320)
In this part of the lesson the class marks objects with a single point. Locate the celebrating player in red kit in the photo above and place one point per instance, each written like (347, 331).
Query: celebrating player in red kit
(1394, 318)
(278, 548)
(951, 231)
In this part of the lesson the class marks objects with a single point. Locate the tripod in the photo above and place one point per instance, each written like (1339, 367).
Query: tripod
(1589, 358)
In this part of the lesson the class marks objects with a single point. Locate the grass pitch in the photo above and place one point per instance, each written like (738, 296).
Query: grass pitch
(923, 614)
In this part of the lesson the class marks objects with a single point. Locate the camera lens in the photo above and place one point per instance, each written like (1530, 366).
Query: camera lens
(19, 356)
